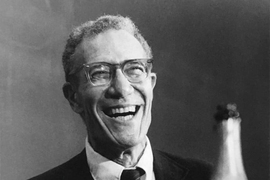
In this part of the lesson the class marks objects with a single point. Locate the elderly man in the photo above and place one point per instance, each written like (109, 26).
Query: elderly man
(109, 83)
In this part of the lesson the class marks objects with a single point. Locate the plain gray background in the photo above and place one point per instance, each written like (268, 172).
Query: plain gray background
(205, 52)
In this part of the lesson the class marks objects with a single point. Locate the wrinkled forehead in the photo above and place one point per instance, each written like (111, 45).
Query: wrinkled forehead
(111, 46)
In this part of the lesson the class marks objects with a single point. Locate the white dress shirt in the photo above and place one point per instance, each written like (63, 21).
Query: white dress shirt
(102, 168)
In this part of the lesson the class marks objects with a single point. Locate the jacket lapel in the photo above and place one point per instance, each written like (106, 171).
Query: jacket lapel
(166, 168)
(80, 169)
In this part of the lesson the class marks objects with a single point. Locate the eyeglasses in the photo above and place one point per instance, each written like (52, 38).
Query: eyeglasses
(135, 70)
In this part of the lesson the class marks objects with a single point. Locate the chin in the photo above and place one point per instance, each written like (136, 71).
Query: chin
(129, 142)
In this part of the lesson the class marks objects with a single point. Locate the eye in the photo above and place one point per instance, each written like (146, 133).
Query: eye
(135, 70)
(98, 74)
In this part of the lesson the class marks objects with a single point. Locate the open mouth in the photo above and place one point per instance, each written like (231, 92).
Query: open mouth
(122, 113)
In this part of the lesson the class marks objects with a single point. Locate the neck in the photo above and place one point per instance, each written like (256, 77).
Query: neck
(125, 156)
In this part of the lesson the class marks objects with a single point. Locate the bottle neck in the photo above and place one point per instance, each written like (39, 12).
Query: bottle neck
(230, 164)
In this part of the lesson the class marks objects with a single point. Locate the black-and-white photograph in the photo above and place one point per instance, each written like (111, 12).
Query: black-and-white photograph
(134, 89)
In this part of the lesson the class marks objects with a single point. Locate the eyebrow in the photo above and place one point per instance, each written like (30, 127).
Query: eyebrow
(105, 62)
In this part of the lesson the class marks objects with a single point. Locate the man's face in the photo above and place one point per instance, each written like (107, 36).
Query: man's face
(118, 113)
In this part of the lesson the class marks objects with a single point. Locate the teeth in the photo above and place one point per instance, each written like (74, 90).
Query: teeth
(124, 118)
(123, 110)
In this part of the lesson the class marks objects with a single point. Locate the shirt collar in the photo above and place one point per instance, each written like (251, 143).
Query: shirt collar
(102, 168)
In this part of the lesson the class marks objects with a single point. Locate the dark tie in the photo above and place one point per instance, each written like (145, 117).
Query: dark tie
(132, 174)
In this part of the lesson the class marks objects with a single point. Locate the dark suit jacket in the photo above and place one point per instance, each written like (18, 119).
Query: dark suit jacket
(166, 167)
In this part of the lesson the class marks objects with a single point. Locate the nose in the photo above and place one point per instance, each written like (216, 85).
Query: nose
(120, 87)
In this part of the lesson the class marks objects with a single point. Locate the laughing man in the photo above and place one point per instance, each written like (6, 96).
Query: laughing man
(109, 83)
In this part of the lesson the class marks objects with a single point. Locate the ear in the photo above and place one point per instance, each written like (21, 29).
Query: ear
(153, 79)
(72, 97)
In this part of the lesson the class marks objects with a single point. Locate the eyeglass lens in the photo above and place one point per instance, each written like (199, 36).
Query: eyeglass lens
(102, 73)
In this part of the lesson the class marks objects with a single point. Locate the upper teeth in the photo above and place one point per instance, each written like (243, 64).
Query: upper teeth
(123, 109)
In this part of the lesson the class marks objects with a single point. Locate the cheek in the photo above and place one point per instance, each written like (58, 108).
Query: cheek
(91, 97)
(146, 90)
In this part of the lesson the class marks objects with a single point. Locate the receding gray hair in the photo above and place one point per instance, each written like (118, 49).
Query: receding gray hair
(91, 29)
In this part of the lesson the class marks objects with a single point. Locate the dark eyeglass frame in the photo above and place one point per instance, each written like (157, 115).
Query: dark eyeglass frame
(146, 62)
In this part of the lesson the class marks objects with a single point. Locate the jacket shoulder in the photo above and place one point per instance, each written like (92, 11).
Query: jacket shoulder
(192, 168)
(77, 166)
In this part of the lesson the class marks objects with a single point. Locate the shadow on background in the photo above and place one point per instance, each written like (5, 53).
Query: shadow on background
(205, 52)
